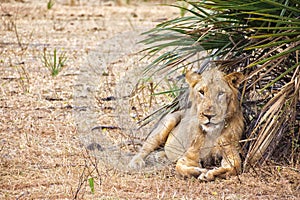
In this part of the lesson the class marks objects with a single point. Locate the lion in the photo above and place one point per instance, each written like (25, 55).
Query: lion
(210, 128)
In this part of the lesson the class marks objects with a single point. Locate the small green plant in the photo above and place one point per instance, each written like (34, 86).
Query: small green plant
(183, 7)
(54, 62)
(92, 185)
(50, 4)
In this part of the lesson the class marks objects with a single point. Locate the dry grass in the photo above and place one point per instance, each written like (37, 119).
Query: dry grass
(41, 156)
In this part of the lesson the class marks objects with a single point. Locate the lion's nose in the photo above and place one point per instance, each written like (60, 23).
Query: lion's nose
(209, 116)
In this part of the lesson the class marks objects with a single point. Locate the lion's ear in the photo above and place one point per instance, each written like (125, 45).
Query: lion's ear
(192, 78)
(235, 79)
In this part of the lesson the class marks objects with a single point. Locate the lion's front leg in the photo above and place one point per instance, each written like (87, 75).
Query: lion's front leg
(189, 164)
(156, 138)
(189, 168)
(230, 165)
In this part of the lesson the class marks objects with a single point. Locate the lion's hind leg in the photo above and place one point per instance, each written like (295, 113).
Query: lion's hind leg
(160, 156)
(156, 138)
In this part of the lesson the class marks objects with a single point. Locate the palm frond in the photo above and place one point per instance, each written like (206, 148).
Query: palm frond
(273, 121)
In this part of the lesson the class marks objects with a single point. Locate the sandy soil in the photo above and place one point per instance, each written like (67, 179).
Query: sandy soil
(41, 120)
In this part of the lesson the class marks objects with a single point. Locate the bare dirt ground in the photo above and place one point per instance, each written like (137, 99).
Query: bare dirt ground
(41, 149)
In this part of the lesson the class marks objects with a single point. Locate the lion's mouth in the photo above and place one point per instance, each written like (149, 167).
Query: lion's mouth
(210, 124)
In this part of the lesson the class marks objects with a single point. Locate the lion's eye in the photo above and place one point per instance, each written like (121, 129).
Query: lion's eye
(221, 93)
(201, 92)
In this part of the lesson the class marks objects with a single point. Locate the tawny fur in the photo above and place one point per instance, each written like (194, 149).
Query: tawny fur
(211, 127)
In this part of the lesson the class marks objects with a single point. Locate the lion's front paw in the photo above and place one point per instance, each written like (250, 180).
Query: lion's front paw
(207, 176)
(201, 170)
(137, 162)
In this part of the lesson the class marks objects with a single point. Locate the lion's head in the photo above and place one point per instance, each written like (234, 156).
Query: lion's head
(214, 97)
